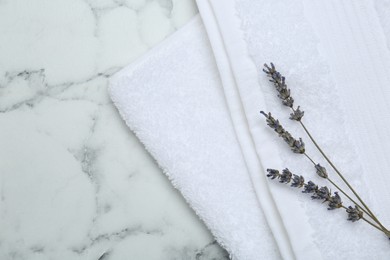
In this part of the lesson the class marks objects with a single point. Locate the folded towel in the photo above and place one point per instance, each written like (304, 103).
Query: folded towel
(198, 116)
(179, 114)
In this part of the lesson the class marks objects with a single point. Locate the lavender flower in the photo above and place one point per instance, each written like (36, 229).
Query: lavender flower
(289, 102)
(272, 173)
(310, 187)
(321, 171)
(322, 193)
(297, 181)
(297, 146)
(280, 84)
(297, 114)
(285, 177)
(273, 123)
(335, 202)
(284, 93)
(354, 214)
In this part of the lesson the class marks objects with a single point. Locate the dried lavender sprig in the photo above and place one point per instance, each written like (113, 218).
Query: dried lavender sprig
(284, 93)
(322, 193)
(321, 171)
(354, 214)
(296, 145)
(297, 114)
(334, 202)
(280, 84)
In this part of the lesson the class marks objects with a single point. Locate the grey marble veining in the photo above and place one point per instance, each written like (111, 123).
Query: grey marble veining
(75, 183)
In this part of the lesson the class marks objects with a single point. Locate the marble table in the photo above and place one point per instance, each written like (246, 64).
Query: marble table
(75, 183)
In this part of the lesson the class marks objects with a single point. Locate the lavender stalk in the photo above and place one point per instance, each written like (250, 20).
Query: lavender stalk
(319, 193)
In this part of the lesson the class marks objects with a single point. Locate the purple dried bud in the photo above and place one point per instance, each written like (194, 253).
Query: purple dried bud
(272, 173)
(310, 187)
(297, 114)
(321, 193)
(288, 102)
(297, 181)
(273, 123)
(278, 80)
(335, 202)
(268, 70)
(299, 146)
(284, 93)
(287, 137)
(286, 175)
(280, 85)
(321, 171)
(354, 214)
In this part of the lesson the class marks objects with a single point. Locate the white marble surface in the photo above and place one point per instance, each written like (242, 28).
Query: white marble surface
(75, 183)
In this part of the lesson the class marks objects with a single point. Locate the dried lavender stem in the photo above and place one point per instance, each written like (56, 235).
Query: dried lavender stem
(342, 177)
(309, 158)
(375, 226)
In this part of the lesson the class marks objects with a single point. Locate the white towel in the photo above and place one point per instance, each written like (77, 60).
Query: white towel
(180, 115)
(203, 127)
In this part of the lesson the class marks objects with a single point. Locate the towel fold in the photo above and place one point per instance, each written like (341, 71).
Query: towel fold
(194, 103)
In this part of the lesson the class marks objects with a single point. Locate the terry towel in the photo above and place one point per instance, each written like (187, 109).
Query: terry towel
(194, 102)
(185, 125)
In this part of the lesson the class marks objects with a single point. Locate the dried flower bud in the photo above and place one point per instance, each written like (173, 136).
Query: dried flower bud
(269, 70)
(286, 175)
(297, 181)
(335, 202)
(273, 123)
(321, 171)
(297, 114)
(289, 102)
(284, 93)
(278, 80)
(272, 173)
(310, 187)
(354, 214)
(322, 193)
(287, 137)
(299, 146)
(280, 84)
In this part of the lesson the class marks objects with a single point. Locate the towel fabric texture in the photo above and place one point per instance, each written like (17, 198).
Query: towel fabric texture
(194, 103)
